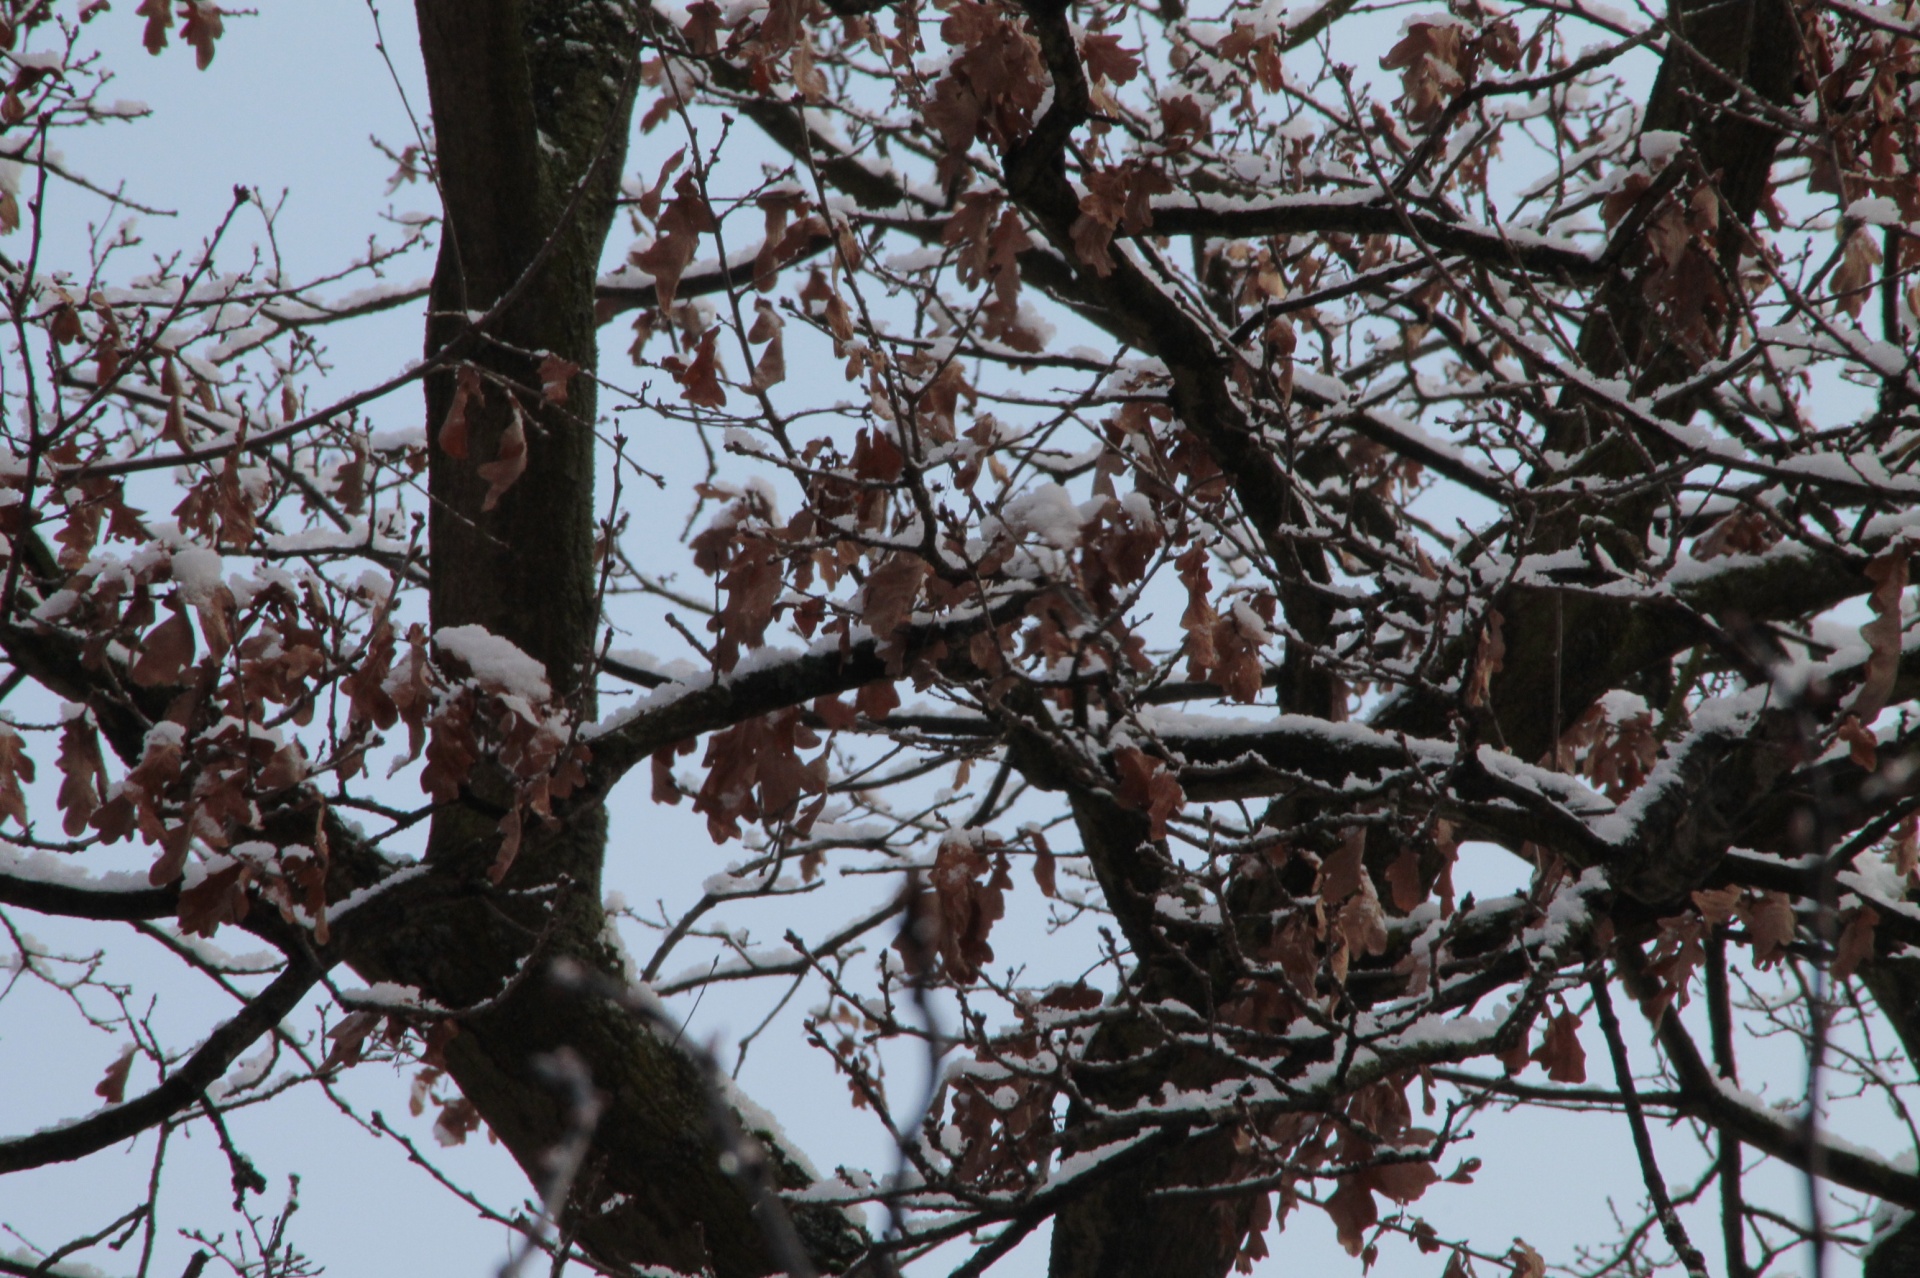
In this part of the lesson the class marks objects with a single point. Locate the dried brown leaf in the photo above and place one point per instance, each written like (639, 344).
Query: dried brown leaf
(112, 1087)
(1855, 945)
(509, 462)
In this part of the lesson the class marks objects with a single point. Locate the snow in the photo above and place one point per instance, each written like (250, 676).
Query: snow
(51, 868)
(198, 571)
(1567, 913)
(396, 439)
(1307, 731)
(245, 1074)
(360, 896)
(358, 537)
(1874, 210)
(495, 661)
(761, 1123)
(1050, 513)
(31, 1262)
(387, 994)
(1660, 145)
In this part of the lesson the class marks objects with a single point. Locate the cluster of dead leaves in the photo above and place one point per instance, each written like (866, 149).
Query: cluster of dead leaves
(1869, 134)
(1258, 51)
(856, 487)
(1676, 255)
(207, 771)
(678, 228)
(1118, 198)
(1148, 786)
(755, 773)
(1351, 918)
(555, 375)
(992, 86)
(1438, 60)
(989, 238)
(1003, 1113)
(66, 325)
(200, 25)
(1744, 532)
(1225, 650)
(475, 716)
(1374, 1142)
(1883, 634)
(1612, 744)
(1768, 924)
(970, 879)
(739, 547)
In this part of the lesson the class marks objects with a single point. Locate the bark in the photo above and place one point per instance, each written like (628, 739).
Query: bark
(1578, 646)
(1723, 59)
(531, 105)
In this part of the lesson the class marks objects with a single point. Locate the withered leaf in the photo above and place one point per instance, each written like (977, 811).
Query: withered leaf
(509, 463)
(220, 897)
(200, 27)
(1888, 573)
(83, 784)
(1527, 1263)
(1403, 880)
(700, 378)
(459, 1119)
(1855, 945)
(1770, 925)
(1853, 278)
(891, 589)
(165, 652)
(685, 218)
(877, 700)
(112, 1087)
(1863, 747)
(468, 392)
(159, 16)
(15, 767)
(1716, 905)
(1560, 1051)
(1044, 869)
(968, 907)
(1405, 1182)
(771, 368)
(64, 324)
(1353, 1212)
(1488, 659)
(349, 1039)
(503, 860)
(555, 373)
(1106, 60)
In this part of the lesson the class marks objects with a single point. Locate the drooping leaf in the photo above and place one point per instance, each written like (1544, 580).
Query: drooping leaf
(509, 461)
(112, 1087)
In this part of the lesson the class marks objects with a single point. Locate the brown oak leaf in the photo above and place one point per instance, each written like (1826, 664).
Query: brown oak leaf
(509, 463)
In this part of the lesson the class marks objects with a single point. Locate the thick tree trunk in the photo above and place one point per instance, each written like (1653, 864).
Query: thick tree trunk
(1125, 1228)
(1573, 643)
(531, 107)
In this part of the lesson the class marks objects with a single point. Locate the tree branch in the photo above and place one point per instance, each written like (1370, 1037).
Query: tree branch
(180, 1089)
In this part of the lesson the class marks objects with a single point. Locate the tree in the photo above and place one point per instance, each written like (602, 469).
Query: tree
(1272, 453)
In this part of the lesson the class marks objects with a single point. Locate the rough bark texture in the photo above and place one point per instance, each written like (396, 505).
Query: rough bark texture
(531, 105)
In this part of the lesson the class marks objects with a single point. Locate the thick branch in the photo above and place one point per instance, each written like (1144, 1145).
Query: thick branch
(181, 1088)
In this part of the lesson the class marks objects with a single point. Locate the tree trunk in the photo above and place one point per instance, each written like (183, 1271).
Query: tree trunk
(531, 107)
